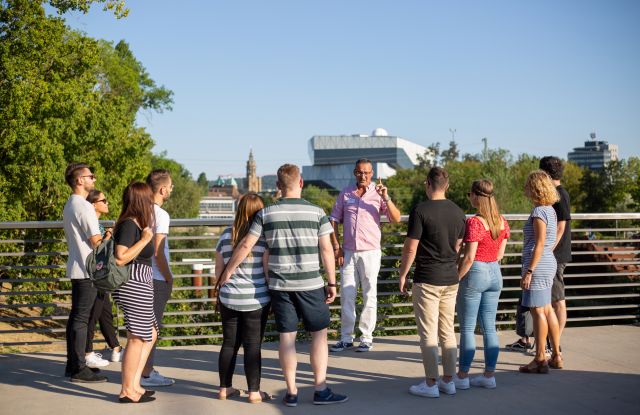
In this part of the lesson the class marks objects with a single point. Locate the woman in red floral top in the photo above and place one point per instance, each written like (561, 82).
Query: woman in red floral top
(480, 284)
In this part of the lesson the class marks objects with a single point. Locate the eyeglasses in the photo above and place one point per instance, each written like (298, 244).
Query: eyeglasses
(91, 176)
(105, 201)
(362, 173)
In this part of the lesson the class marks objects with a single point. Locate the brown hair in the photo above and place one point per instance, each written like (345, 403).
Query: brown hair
(93, 195)
(438, 178)
(73, 171)
(248, 206)
(158, 178)
(540, 189)
(137, 203)
(487, 206)
(288, 175)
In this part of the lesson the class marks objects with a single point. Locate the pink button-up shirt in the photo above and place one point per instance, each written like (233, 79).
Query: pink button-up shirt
(360, 217)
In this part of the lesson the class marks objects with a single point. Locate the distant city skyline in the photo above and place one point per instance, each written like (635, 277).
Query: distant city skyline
(532, 77)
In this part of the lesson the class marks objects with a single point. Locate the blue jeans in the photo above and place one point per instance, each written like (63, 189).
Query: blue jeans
(478, 297)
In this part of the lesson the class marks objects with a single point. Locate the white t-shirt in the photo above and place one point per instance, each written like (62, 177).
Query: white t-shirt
(161, 226)
(80, 224)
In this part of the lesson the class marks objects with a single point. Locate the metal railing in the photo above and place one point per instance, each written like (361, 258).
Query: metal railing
(602, 282)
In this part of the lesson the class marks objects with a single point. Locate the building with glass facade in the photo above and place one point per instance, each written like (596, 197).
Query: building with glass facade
(595, 154)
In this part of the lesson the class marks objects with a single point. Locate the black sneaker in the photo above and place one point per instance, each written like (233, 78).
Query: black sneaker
(340, 346)
(326, 397)
(290, 400)
(519, 346)
(67, 372)
(86, 375)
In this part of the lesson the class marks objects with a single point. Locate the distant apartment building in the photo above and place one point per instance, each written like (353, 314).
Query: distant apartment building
(595, 154)
(220, 202)
(333, 157)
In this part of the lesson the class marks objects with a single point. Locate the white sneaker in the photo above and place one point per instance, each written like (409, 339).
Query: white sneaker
(446, 387)
(117, 356)
(95, 360)
(156, 379)
(461, 384)
(424, 390)
(484, 382)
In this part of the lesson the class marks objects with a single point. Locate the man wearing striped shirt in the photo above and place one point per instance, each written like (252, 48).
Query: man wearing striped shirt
(296, 233)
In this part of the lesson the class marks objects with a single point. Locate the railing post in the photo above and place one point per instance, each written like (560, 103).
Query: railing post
(197, 278)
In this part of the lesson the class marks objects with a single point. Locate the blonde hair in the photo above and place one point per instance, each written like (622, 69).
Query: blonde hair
(487, 206)
(540, 189)
(288, 176)
(248, 206)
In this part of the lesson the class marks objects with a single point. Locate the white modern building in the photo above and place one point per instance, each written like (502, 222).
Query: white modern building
(595, 154)
(333, 157)
(217, 207)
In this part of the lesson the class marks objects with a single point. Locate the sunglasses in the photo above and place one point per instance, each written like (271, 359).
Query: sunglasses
(91, 176)
(105, 201)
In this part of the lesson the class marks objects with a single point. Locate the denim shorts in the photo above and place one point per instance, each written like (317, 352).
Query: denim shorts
(289, 307)
(536, 298)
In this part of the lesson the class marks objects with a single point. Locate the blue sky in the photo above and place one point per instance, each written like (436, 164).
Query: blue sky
(532, 77)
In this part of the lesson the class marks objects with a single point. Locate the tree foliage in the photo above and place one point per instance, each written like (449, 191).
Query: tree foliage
(66, 97)
(185, 198)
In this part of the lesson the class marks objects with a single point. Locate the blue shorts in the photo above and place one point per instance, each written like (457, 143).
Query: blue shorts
(289, 307)
(536, 298)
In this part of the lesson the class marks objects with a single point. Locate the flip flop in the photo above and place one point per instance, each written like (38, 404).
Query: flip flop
(264, 396)
(236, 392)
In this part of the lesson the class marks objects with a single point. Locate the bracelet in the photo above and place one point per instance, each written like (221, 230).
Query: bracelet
(331, 285)
(529, 271)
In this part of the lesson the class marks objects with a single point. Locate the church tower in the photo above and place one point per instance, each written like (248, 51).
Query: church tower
(254, 183)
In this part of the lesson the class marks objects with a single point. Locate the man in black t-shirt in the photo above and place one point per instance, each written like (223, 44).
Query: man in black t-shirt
(562, 251)
(434, 238)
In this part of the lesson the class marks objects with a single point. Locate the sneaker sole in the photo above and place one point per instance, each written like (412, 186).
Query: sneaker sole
(422, 395)
(156, 385)
(330, 403)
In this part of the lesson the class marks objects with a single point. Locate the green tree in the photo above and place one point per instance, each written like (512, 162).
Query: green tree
(320, 197)
(66, 97)
(203, 183)
(450, 154)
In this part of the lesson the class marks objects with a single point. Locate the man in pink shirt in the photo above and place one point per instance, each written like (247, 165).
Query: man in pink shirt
(359, 208)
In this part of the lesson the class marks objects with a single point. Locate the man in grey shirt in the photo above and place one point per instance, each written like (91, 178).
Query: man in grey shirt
(82, 233)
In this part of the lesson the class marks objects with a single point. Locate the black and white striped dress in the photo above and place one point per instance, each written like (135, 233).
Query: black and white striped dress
(135, 298)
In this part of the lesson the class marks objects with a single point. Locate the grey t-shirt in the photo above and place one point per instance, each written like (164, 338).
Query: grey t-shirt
(80, 224)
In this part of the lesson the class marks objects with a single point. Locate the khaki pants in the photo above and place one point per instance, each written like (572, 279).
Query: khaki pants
(434, 307)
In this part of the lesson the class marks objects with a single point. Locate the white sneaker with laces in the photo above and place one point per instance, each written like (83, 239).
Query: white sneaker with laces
(446, 387)
(461, 383)
(95, 360)
(484, 382)
(156, 379)
(424, 390)
(117, 356)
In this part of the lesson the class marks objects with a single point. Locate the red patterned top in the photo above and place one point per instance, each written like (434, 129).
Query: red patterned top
(487, 247)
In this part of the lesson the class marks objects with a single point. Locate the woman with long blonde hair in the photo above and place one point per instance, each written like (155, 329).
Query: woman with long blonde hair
(485, 240)
(539, 269)
(244, 303)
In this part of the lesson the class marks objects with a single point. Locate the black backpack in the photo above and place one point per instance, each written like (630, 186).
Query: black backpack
(101, 265)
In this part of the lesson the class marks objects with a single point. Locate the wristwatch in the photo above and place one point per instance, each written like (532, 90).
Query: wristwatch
(331, 285)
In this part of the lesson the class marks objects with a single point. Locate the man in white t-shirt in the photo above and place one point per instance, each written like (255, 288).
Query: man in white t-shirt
(82, 233)
(161, 184)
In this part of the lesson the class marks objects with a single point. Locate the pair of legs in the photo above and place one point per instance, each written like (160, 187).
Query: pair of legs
(478, 297)
(434, 308)
(360, 268)
(102, 313)
(289, 307)
(545, 323)
(557, 298)
(135, 357)
(319, 359)
(161, 295)
(244, 328)
(83, 296)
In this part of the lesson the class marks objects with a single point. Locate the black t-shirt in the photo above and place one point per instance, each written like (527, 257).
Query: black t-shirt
(437, 224)
(127, 233)
(563, 212)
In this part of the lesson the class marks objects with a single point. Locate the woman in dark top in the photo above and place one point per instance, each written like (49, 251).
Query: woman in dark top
(102, 309)
(133, 236)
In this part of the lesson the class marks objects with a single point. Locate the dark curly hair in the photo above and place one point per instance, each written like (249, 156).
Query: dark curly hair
(553, 166)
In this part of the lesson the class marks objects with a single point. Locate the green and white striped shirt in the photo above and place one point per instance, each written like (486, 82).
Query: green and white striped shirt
(247, 288)
(291, 228)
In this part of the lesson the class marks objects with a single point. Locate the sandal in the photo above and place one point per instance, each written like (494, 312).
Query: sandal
(535, 367)
(556, 362)
(264, 396)
(236, 392)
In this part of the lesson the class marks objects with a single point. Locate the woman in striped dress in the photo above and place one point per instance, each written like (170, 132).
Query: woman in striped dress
(133, 246)
(539, 268)
(244, 303)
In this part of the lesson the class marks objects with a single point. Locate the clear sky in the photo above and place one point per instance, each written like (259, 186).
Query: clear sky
(532, 76)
